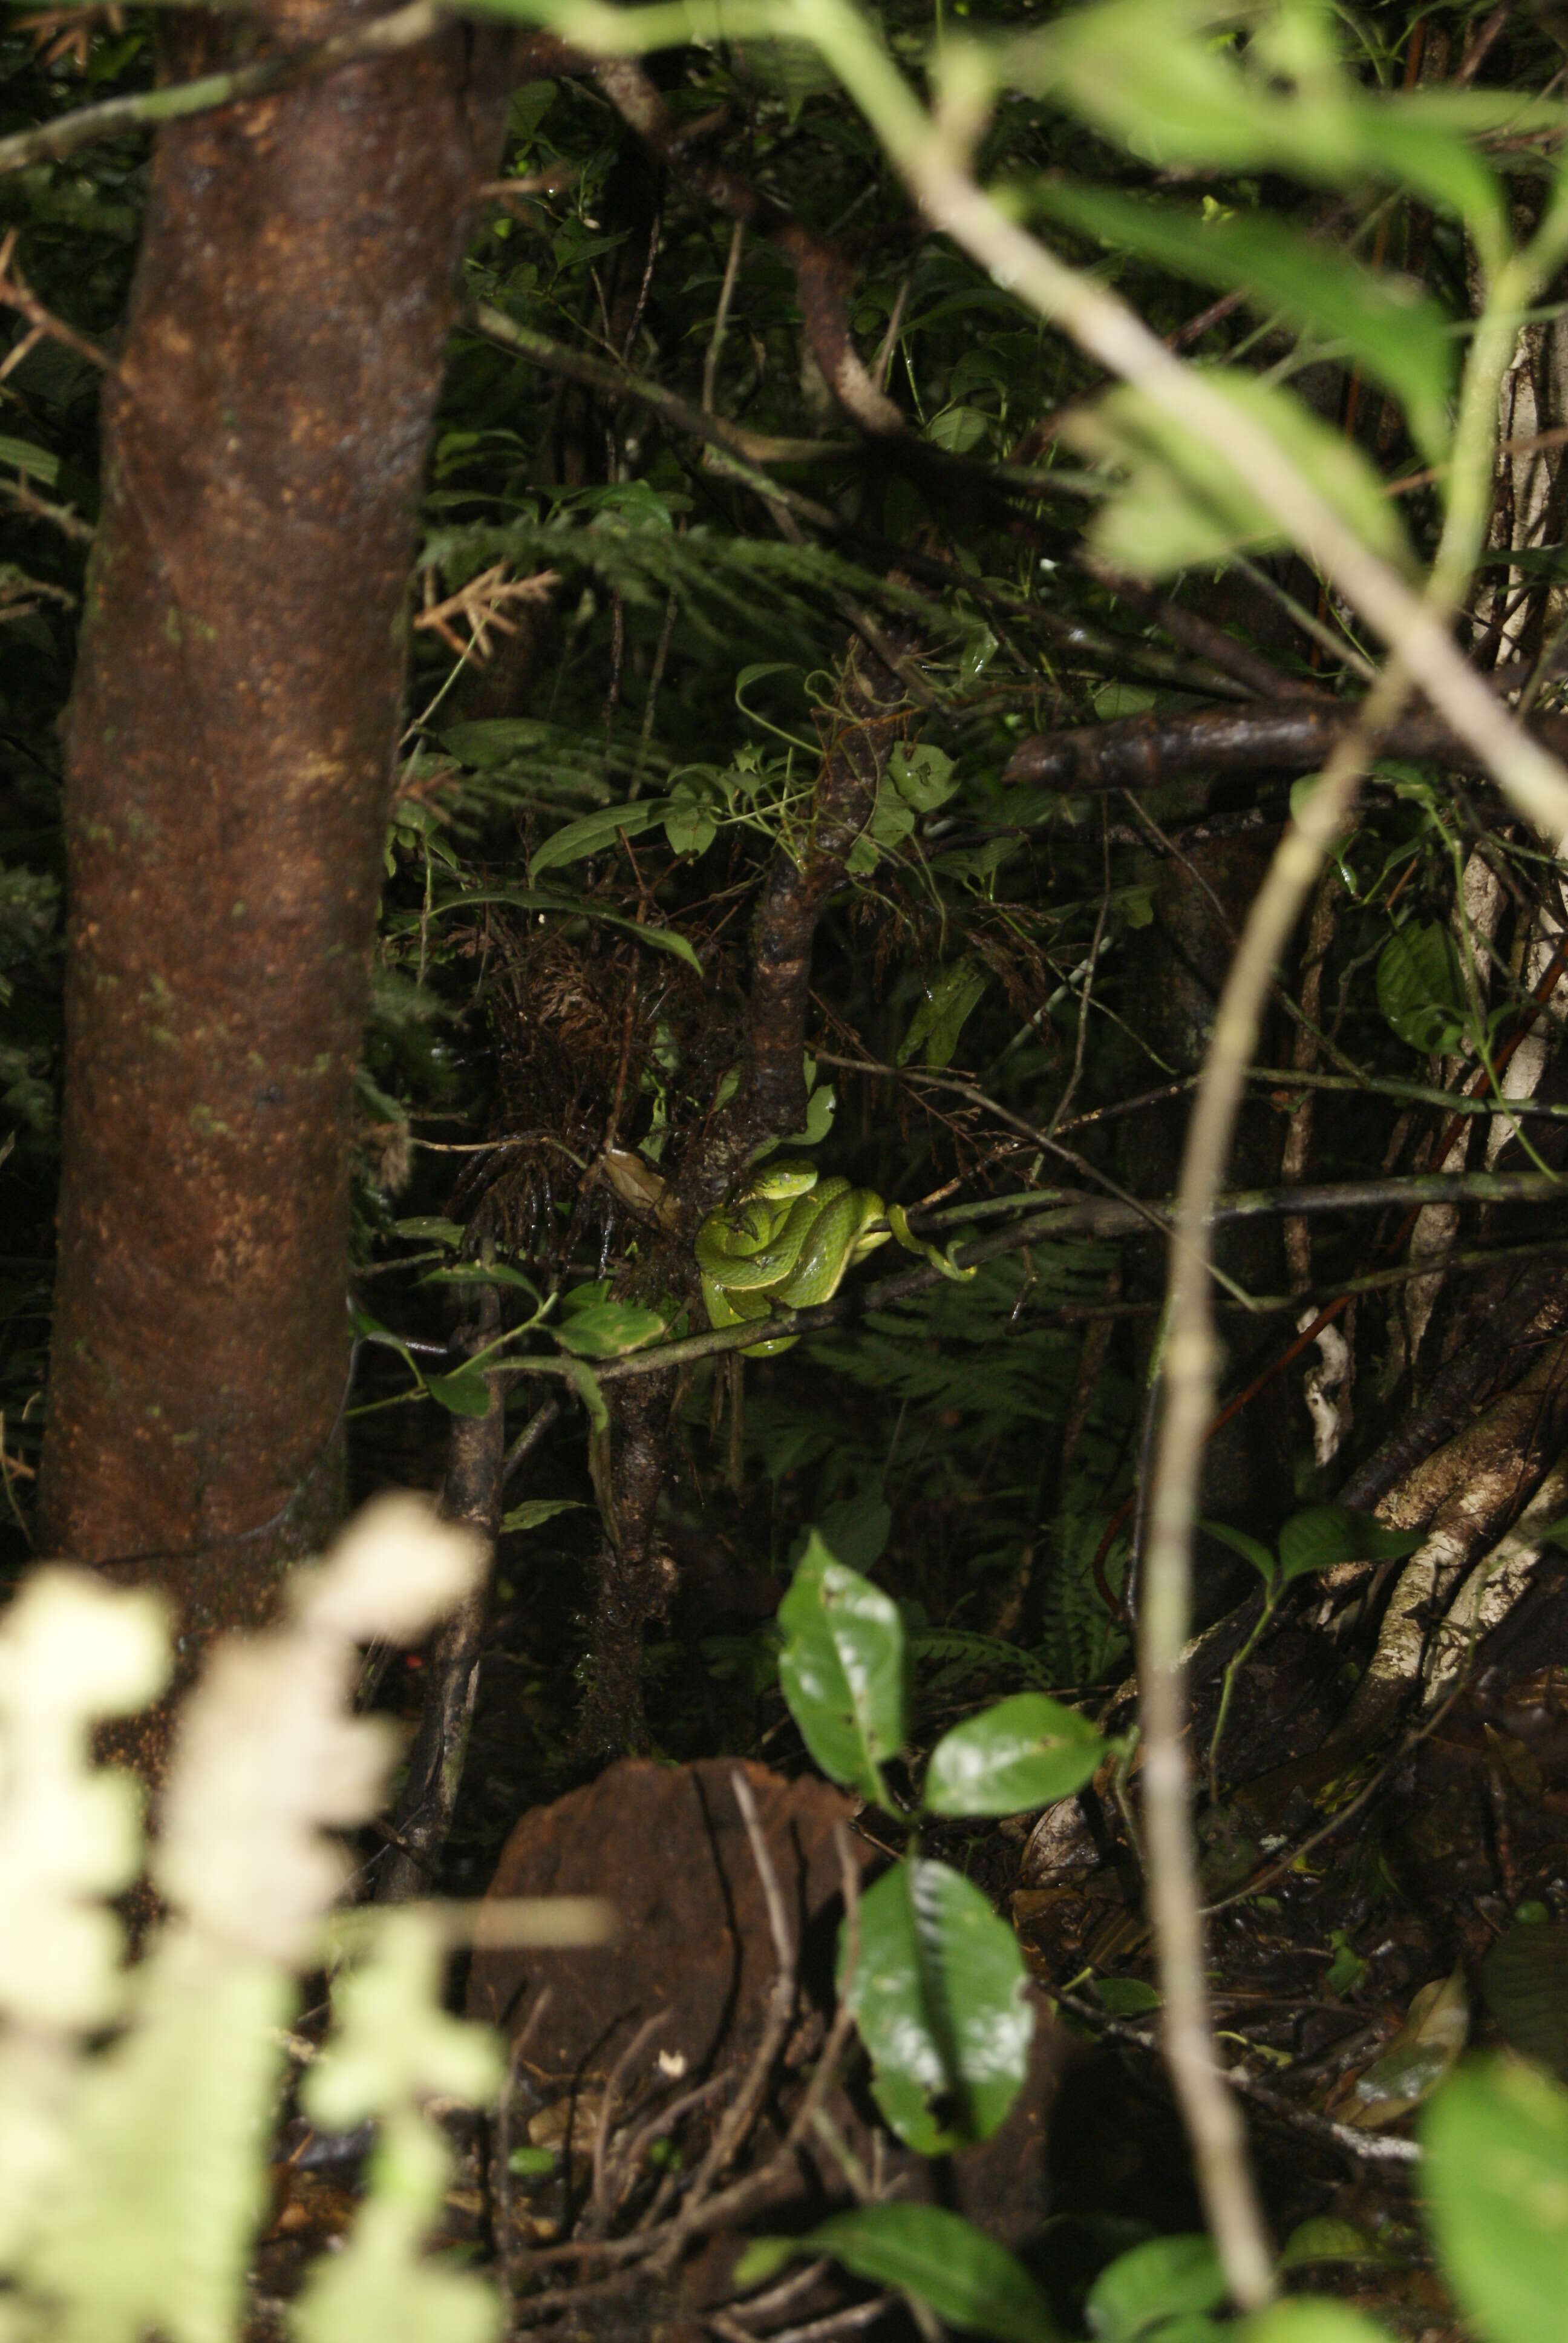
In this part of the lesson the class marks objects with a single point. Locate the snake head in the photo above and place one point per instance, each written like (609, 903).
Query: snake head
(782, 1181)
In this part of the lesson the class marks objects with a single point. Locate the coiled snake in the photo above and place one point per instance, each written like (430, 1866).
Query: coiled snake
(787, 1239)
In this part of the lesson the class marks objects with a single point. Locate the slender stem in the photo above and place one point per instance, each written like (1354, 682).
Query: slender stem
(1237, 1662)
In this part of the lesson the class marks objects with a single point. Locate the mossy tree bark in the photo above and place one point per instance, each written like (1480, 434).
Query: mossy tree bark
(230, 742)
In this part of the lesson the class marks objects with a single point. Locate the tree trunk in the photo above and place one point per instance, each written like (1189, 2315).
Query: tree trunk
(230, 742)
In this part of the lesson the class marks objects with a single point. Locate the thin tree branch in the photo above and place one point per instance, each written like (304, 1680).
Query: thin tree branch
(619, 381)
(1292, 736)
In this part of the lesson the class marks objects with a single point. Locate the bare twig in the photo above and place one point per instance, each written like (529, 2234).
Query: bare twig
(599, 2204)
(722, 315)
(1362, 2146)
(742, 2112)
(501, 2187)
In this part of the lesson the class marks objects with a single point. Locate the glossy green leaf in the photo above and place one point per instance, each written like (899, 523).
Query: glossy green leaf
(592, 833)
(1181, 502)
(1325, 1535)
(843, 1669)
(944, 2260)
(1156, 2281)
(1025, 1751)
(464, 1393)
(1399, 337)
(938, 1993)
(1420, 990)
(1495, 2180)
(608, 1330)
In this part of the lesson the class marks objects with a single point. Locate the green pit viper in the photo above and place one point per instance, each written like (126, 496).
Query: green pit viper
(785, 1242)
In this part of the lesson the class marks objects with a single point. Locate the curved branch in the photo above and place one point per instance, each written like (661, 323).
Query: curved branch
(1284, 736)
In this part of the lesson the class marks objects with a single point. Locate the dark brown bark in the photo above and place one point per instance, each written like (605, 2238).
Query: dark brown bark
(230, 746)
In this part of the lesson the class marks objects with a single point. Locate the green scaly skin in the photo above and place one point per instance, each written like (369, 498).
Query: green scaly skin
(786, 1242)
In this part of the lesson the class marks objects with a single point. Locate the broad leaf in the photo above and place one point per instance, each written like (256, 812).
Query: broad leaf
(1028, 1751)
(938, 1993)
(592, 833)
(464, 1393)
(1126, 1996)
(1154, 2282)
(923, 775)
(843, 1669)
(944, 2261)
(1495, 2181)
(1420, 990)
(608, 1330)
(1325, 1535)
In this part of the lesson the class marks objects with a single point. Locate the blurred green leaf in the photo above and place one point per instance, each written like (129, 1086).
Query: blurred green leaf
(1180, 502)
(1159, 2280)
(1495, 2182)
(1401, 339)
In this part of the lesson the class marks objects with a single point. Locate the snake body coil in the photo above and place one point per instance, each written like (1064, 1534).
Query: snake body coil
(785, 1240)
